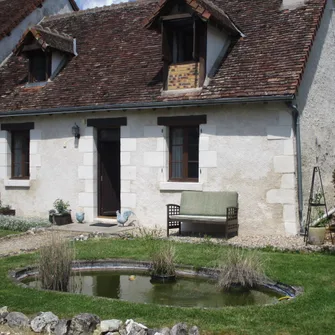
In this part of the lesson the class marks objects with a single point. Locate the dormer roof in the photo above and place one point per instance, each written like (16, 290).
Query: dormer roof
(12, 12)
(205, 9)
(46, 38)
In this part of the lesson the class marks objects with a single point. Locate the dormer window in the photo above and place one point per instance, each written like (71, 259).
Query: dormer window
(48, 52)
(184, 51)
(39, 66)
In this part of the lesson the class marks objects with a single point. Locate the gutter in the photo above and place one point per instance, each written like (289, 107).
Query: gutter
(147, 105)
(296, 116)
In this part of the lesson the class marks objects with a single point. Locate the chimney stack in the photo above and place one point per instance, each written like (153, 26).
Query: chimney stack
(292, 4)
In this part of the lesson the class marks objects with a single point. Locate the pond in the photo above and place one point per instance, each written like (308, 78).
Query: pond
(186, 291)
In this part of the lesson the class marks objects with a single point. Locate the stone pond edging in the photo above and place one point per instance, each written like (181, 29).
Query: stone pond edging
(85, 324)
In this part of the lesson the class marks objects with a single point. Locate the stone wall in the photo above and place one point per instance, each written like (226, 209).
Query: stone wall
(244, 148)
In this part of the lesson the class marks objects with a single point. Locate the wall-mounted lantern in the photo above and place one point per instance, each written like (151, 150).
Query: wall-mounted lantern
(76, 131)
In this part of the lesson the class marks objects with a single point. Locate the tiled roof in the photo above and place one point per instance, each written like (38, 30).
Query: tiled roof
(120, 61)
(47, 38)
(12, 12)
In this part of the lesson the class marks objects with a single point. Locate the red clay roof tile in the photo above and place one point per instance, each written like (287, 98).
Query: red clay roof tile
(120, 61)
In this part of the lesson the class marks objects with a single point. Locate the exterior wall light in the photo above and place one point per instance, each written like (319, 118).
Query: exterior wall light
(76, 131)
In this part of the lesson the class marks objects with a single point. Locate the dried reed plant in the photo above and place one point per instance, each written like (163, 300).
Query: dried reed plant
(163, 259)
(241, 268)
(55, 263)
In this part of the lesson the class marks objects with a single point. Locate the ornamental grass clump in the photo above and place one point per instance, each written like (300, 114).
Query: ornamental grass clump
(55, 264)
(241, 268)
(163, 259)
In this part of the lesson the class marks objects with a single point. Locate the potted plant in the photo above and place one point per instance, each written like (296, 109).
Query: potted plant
(62, 214)
(317, 231)
(162, 267)
(6, 210)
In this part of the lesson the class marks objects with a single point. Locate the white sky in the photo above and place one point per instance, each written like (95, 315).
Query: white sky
(84, 4)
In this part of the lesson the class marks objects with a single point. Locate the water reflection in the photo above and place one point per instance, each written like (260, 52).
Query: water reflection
(186, 292)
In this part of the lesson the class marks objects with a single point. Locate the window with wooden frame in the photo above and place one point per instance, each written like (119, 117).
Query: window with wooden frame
(20, 154)
(19, 145)
(39, 66)
(184, 154)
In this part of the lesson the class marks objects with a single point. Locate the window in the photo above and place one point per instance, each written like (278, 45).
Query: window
(39, 66)
(20, 154)
(184, 153)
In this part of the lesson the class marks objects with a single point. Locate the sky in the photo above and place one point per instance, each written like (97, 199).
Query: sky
(84, 4)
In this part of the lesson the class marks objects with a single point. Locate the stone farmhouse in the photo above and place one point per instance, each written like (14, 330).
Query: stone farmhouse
(126, 106)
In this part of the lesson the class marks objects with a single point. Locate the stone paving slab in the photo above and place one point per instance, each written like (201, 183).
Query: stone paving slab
(89, 228)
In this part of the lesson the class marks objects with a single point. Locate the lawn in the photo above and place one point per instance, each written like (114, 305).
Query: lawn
(8, 232)
(311, 313)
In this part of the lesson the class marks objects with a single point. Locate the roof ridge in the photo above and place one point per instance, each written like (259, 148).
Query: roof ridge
(98, 9)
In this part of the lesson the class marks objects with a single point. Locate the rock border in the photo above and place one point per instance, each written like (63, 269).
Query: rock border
(84, 324)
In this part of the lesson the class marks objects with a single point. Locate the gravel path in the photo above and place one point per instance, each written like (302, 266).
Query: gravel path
(16, 244)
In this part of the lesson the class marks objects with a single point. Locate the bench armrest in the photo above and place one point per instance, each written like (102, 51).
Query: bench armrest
(232, 213)
(172, 210)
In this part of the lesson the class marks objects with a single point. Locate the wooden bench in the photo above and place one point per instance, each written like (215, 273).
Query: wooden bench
(205, 207)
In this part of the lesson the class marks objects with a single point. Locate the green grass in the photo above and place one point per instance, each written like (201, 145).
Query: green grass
(311, 313)
(8, 232)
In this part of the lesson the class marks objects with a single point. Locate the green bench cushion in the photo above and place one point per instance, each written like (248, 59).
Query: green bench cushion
(207, 203)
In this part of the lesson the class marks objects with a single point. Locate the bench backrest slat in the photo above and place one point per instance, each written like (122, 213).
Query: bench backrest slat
(207, 203)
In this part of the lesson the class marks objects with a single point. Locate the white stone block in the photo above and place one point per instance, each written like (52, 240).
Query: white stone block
(285, 118)
(288, 147)
(125, 158)
(203, 143)
(128, 172)
(291, 227)
(208, 129)
(89, 185)
(86, 145)
(3, 172)
(128, 144)
(87, 131)
(3, 148)
(280, 196)
(175, 186)
(203, 175)
(207, 159)
(153, 131)
(35, 135)
(33, 147)
(17, 182)
(125, 132)
(32, 173)
(35, 160)
(86, 172)
(154, 159)
(86, 199)
(288, 181)
(88, 158)
(125, 186)
(4, 160)
(278, 133)
(284, 164)
(89, 213)
(3, 136)
(161, 144)
(289, 213)
(128, 200)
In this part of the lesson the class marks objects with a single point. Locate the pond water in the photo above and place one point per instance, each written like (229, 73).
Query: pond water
(185, 291)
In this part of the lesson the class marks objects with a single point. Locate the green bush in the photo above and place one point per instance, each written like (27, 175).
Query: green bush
(18, 223)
